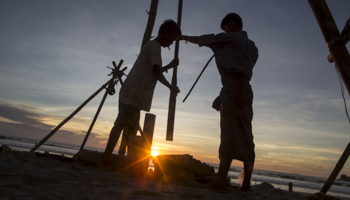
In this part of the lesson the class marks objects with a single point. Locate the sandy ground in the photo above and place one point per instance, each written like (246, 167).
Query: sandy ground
(25, 175)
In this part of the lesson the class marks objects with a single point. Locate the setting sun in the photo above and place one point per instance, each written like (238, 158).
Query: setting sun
(154, 153)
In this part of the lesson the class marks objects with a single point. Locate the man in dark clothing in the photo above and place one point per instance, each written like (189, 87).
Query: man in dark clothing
(235, 57)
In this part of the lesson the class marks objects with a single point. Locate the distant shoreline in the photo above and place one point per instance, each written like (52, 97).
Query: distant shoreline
(279, 180)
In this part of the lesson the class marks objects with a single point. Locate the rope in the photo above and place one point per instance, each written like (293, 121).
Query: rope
(343, 37)
(342, 92)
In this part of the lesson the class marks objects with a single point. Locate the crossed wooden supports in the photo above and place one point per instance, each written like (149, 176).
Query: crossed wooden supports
(109, 86)
(340, 55)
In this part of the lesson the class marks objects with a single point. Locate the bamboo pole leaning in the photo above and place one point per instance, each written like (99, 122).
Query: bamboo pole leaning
(150, 23)
(341, 58)
(338, 167)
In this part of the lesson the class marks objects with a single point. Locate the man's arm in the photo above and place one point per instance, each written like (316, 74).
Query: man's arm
(172, 64)
(158, 72)
(192, 39)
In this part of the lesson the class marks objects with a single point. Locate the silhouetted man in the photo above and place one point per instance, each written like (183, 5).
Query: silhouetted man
(137, 91)
(235, 57)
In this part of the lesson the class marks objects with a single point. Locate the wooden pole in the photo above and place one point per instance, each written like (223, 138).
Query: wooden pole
(331, 35)
(336, 170)
(111, 85)
(172, 100)
(134, 155)
(341, 58)
(345, 36)
(150, 23)
(148, 130)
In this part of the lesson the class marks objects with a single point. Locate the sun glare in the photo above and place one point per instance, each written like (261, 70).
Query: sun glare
(154, 153)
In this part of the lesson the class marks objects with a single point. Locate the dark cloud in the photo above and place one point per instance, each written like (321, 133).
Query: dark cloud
(26, 124)
(23, 116)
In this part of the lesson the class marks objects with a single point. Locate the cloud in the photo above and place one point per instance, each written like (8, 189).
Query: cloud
(23, 121)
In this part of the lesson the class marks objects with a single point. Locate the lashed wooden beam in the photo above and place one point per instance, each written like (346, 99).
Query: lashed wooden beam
(331, 34)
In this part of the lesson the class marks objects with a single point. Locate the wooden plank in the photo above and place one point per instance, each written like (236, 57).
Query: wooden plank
(172, 99)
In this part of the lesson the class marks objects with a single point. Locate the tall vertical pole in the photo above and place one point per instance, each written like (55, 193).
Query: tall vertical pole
(331, 34)
(172, 100)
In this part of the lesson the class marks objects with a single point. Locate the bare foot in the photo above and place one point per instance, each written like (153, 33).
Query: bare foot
(245, 189)
(219, 186)
(104, 164)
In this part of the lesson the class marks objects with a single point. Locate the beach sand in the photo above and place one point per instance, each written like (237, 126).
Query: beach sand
(25, 175)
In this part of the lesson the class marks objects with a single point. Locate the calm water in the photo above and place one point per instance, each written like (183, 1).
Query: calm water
(300, 183)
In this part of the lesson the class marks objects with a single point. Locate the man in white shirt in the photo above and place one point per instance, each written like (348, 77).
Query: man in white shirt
(137, 91)
(235, 57)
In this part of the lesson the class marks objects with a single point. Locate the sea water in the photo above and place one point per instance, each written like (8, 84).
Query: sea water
(301, 183)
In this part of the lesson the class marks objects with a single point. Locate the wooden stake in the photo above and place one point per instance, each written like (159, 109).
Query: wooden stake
(172, 100)
(148, 130)
(331, 34)
(147, 138)
(134, 155)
